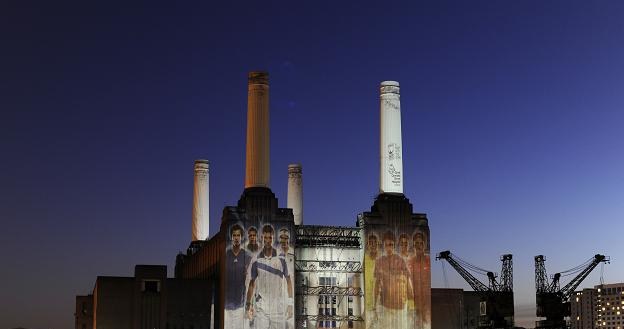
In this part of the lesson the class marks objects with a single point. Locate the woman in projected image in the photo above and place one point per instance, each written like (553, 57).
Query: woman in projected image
(419, 268)
(392, 289)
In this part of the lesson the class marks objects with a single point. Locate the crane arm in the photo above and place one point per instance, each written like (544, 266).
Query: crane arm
(569, 288)
(472, 281)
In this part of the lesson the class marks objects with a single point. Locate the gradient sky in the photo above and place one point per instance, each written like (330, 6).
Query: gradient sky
(513, 130)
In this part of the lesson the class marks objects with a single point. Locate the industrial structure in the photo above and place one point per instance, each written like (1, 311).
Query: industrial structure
(552, 301)
(265, 269)
(496, 298)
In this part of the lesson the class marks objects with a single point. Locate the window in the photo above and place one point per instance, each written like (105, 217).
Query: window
(151, 286)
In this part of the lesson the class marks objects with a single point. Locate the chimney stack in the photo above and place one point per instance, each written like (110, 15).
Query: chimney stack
(257, 162)
(295, 192)
(201, 207)
(391, 153)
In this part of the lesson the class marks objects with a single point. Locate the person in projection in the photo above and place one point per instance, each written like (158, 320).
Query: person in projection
(419, 267)
(289, 256)
(404, 250)
(252, 239)
(393, 287)
(270, 309)
(370, 257)
(237, 262)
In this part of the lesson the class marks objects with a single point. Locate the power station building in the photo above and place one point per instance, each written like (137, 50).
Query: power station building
(265, 268)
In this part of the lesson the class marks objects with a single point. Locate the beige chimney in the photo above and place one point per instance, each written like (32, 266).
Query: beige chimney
(257, 161)
(295, 192)
(201, 215)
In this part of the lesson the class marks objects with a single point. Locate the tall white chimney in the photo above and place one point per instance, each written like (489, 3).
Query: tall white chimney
(201, 207)
(295, 192)
(257, 162)
(391, 153)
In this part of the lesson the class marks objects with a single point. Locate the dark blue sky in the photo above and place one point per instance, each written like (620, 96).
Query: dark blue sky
(513, 117)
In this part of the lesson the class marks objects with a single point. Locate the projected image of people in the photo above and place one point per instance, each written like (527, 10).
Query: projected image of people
(419, 265)
(237, 261)
(393, 287)
(397, 279)
(270, 298)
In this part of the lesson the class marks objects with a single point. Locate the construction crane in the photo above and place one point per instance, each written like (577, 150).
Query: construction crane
(552, 301)
(496, 307)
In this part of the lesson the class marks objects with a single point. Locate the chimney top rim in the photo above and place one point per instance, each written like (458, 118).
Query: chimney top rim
(389, 83)
(258, 77)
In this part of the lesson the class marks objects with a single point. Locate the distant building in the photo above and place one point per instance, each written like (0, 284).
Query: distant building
(84, 312)
(454, 309)
(582, 306)
(598, 307)
(147, 300)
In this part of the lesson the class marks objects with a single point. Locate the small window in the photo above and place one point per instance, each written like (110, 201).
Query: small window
(151, 286)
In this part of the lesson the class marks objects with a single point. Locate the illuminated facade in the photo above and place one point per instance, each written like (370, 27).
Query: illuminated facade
(610, 306)
(328, 272)
(263, 269)
(600, 307)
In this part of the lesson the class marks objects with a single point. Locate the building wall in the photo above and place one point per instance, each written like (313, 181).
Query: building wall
(397, 265)
(328, 278)
(447, 309)
(609, 306)
(188, 304)
(113, 303)
(582, 309)
(84, 312)
(148, 300)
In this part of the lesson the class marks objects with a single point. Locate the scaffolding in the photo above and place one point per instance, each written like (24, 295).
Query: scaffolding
(328, 269)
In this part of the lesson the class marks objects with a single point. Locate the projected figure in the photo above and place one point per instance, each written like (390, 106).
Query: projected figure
(237, 260)
(404, 250)
(370, 257)
(419, 267)
(269, 277)
(252, 239)
(289, 256)
(392, 287)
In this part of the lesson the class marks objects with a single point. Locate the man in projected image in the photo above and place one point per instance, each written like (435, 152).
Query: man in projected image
(237, 262)
(419, 268)
(370, 257)
(289, 256)
(252, 239)
(269, 276)
(392, 287)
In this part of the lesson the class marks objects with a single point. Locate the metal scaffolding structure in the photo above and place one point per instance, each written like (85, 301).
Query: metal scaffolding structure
(333, 236)
(329, 277)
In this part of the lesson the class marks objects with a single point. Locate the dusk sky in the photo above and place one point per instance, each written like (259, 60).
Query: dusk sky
(512, 113)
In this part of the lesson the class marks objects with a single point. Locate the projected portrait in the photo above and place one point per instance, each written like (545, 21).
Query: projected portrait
(237, 261)
(397, 278)
(259, 269)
